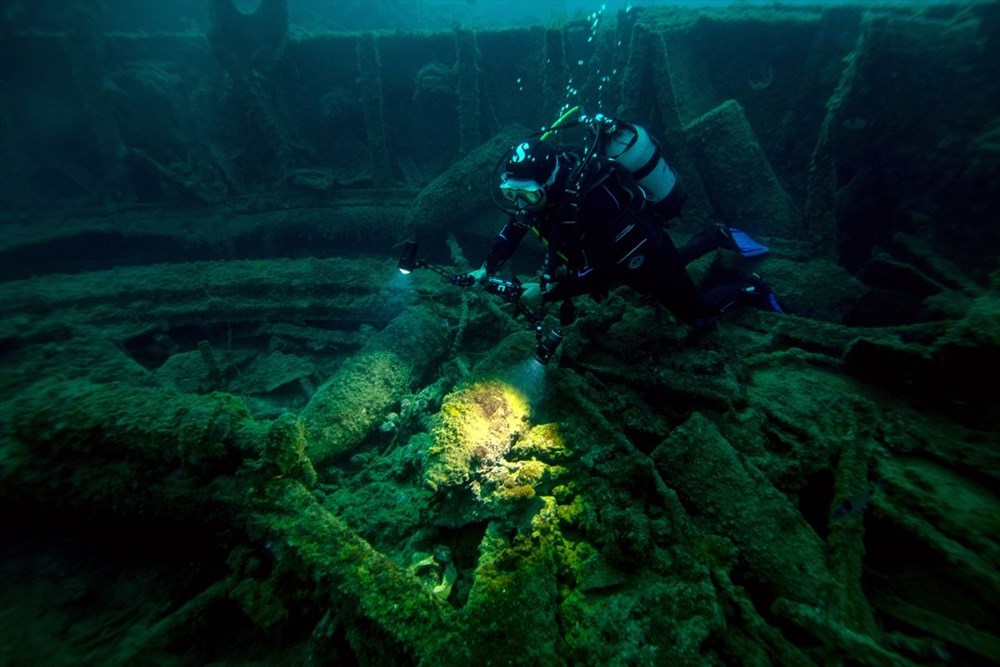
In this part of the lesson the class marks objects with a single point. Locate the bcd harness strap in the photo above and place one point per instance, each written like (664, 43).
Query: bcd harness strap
(568, 214)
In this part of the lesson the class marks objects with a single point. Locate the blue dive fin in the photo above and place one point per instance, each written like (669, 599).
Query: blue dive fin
(745, 245)
(759, 294)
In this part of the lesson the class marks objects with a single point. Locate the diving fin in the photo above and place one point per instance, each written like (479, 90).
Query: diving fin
(759, 294)
(744, 245)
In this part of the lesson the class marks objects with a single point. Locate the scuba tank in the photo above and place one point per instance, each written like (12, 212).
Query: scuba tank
(631, 146)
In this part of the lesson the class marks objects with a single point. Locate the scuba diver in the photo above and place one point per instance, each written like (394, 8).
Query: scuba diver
(600, 211)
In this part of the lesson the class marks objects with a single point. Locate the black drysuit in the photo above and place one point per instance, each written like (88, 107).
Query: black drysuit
(606, 236)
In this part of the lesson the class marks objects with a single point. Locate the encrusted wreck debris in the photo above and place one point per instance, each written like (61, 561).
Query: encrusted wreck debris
(745, 496)
(332, 463)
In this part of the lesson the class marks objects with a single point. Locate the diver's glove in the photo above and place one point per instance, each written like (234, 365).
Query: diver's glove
(531, 296)
(477, 277)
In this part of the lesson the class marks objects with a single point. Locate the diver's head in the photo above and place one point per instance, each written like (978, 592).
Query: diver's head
(529, 172)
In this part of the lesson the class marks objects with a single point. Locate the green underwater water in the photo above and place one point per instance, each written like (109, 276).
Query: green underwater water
(233, 433)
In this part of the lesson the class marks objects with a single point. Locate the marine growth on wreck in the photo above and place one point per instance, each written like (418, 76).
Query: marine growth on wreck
(232, 432)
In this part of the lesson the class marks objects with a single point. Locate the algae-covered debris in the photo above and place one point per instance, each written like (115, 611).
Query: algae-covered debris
(358, 397)
(477, 428)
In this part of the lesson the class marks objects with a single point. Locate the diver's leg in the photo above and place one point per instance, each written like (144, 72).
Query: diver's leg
(662, 276)
(752, 290)
(719, 235)
(700, 245)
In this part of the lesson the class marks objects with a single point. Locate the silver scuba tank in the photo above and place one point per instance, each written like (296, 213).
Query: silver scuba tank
(631, 146)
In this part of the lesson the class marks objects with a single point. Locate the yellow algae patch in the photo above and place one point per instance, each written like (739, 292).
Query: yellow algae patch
(543, 442)
(473, 431)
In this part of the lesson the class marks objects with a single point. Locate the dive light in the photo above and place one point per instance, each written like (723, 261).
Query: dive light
(547, 346)
(408, 260)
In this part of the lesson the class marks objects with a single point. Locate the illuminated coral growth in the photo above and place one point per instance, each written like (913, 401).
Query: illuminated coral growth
(474, 430)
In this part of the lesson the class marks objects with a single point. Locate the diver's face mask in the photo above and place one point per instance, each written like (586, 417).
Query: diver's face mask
(523, 193)
(526, 193)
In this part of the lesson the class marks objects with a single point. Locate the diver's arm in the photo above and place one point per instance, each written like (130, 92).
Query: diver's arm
(506, 243)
